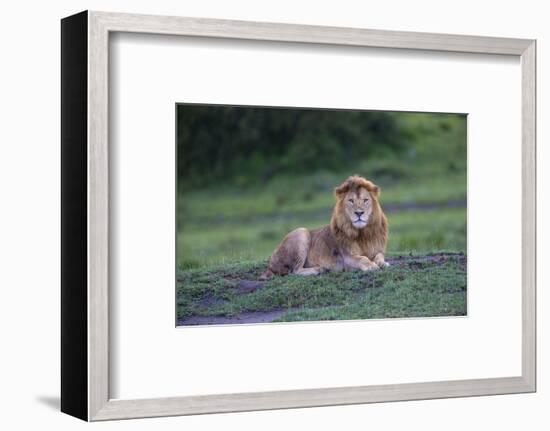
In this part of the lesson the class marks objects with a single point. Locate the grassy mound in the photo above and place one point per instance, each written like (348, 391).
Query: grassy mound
(413, 286)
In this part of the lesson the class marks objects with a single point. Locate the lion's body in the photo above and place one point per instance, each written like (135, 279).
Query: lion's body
(350, 241)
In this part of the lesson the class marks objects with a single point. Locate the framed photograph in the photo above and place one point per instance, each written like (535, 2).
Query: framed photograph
(262, 216)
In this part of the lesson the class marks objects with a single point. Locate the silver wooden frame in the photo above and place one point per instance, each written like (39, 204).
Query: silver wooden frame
(99, 404)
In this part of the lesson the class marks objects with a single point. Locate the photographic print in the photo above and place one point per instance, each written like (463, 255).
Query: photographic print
(303, 214)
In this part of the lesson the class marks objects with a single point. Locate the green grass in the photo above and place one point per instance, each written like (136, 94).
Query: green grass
(222, 243)
(416, 286)
(217, 226)
(307, 193)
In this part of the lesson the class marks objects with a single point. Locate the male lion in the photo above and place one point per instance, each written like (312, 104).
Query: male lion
(355, 239)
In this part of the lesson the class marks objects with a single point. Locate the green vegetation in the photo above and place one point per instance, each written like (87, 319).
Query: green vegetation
(244, 145)
(223, 242)
(413, 286)
(243, 185)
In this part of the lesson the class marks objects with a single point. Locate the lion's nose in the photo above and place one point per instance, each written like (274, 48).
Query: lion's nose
(359, 213)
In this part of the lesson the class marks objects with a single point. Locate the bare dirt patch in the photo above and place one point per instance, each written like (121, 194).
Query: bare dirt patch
(250, 317)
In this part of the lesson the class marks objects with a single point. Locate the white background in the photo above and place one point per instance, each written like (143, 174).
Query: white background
(151, 358)
(29, 232)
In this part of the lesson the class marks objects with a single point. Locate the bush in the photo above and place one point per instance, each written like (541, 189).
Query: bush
(247, 144)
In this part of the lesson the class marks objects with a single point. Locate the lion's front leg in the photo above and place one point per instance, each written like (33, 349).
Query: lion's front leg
(360, 262)
(380, 260)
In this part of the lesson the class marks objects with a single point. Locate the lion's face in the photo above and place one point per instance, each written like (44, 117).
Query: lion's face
(357, 205)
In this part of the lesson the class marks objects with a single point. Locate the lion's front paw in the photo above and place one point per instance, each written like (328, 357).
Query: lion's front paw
(383, 265)
(370, 267)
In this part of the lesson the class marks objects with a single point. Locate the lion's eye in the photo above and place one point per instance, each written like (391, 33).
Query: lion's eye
(366, 200)
(350, 200)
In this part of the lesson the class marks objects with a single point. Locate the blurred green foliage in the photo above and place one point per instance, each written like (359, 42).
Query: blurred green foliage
(246, 145)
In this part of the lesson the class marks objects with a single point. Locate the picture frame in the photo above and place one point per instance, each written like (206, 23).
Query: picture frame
(85, 235)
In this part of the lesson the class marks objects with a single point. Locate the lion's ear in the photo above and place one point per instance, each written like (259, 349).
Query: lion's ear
(375, 190)
(342, 188)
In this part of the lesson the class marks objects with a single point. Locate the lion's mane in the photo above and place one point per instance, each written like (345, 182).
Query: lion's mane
(374, 237)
